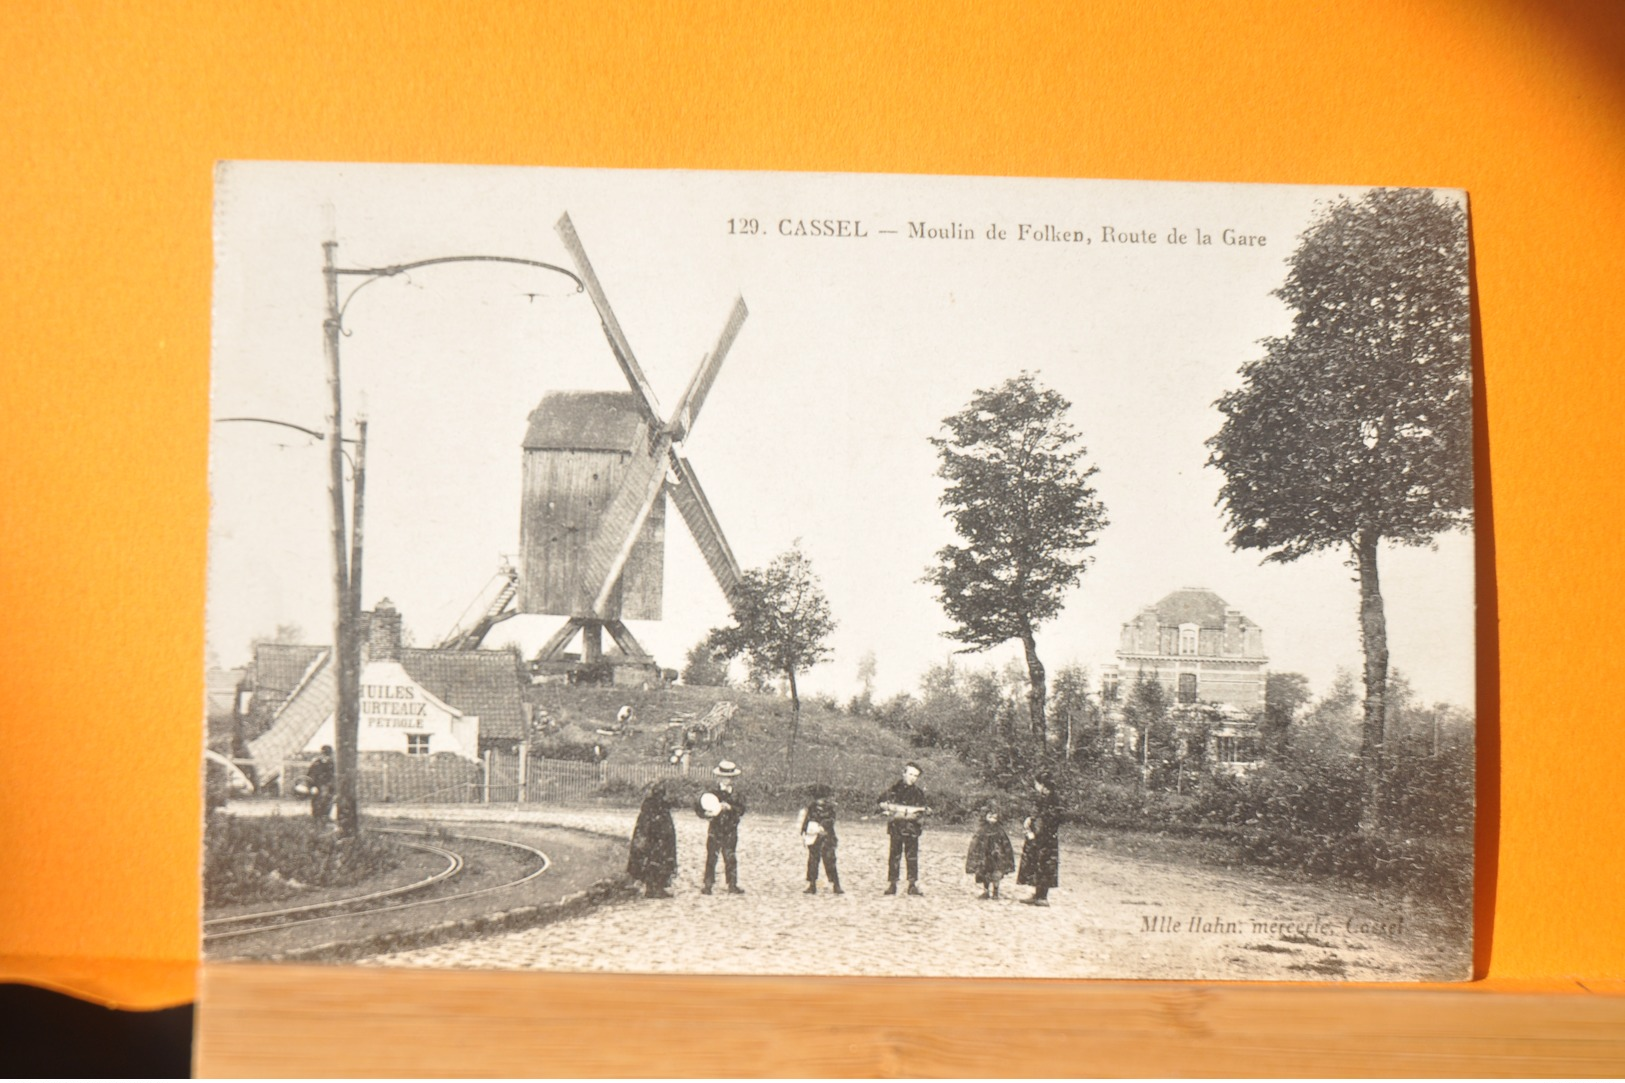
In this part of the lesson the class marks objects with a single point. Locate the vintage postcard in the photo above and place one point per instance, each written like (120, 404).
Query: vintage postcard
(1080, 584)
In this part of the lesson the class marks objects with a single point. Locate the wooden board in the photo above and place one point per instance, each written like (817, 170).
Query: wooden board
(301, 1021)
(565, 494)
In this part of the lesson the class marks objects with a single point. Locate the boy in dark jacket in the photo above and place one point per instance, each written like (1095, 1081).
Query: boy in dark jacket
(817, 827)
(904, 803)
(321, 776)
(723, 806)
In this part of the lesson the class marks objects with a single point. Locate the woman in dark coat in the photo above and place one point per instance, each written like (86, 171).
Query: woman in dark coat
(653, 860)
(1041, 853)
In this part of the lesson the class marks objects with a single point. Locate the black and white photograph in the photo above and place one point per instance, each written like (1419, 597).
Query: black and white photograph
(839, 574)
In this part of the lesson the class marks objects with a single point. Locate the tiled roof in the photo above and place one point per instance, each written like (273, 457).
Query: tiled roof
(1193, 605)
(278, 669)
(482, 683)
(584, 421)
(299, 719)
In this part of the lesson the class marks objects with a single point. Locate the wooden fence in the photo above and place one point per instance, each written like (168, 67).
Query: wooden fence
(499, 778)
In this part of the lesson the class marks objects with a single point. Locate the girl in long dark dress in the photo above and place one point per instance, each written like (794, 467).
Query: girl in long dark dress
(653, 858)
(1041, 853)
(990, 858)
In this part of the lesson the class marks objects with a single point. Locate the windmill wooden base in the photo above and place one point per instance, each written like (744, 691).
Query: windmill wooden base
(628, 662)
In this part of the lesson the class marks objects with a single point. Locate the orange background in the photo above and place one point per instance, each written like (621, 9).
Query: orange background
(115, 114)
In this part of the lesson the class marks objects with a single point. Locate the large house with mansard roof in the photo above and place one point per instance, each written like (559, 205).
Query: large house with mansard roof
(1209, 659)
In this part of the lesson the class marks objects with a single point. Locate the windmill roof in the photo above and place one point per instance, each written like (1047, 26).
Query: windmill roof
(482, 683)
(1192, 605)
(584, 421)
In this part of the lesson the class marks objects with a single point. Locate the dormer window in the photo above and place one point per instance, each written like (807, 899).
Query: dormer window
(1187, 639)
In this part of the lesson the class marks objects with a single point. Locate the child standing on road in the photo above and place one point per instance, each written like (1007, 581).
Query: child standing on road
(723, 806)
(990, 857)
(817, 827)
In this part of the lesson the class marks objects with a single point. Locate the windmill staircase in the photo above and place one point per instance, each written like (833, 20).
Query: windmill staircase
(499, 610)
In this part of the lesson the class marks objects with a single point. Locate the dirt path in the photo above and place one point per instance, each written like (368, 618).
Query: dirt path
(1113, 916)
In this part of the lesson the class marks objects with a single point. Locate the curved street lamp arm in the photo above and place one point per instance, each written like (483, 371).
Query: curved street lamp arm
(373, 274)
(286, 425)
(273, 421)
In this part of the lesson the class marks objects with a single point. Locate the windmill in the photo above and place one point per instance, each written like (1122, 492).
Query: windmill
(598, 469)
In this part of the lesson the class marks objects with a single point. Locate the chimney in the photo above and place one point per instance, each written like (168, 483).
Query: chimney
(1234, 643)
(384, 633)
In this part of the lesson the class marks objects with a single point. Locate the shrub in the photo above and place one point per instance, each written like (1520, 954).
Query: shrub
(701, 670)
(620, 791)
(261, 859)
(1436, 869)
(1295, 795)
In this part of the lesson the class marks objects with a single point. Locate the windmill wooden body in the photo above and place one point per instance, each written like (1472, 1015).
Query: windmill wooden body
(598, 469)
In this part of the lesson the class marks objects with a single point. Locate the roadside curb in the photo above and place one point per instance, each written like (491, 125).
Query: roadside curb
(502, 921)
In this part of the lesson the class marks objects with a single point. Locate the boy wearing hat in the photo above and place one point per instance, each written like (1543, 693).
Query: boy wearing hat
(723, 806)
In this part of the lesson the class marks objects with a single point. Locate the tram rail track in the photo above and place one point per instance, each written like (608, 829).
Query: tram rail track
(215, 930)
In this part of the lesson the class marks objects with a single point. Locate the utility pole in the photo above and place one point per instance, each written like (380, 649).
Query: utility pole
(345, 721)
(351, 694)
(347, 565)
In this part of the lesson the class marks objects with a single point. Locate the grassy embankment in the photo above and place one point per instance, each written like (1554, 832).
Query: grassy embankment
(852, 754)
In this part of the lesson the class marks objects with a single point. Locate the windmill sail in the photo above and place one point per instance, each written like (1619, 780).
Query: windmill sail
(644, 482)
(702, 524)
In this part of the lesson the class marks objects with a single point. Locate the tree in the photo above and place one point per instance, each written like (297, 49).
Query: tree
(1018, 494)
(1330, 729)
(1149, 710)
(1355, 428)
(1077, 720)
(781, 625)
(864, 701)
(1284, 695)
(701, 670)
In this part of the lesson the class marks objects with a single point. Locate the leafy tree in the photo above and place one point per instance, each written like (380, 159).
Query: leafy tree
(1355, 428)
(1018, 494)
(1077, 721)
(1331, 728)
(864, 701)
(1284, 695)
(702, 670)
(1149, 710)
(781, 625)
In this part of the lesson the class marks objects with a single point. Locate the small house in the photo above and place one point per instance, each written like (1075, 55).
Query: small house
(413, 702)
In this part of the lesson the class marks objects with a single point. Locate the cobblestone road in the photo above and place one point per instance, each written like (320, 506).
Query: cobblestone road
(1113, 916)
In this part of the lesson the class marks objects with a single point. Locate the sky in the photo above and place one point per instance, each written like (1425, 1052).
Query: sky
(816, 430)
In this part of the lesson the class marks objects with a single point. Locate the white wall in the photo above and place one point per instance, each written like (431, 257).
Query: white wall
(393, 706)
